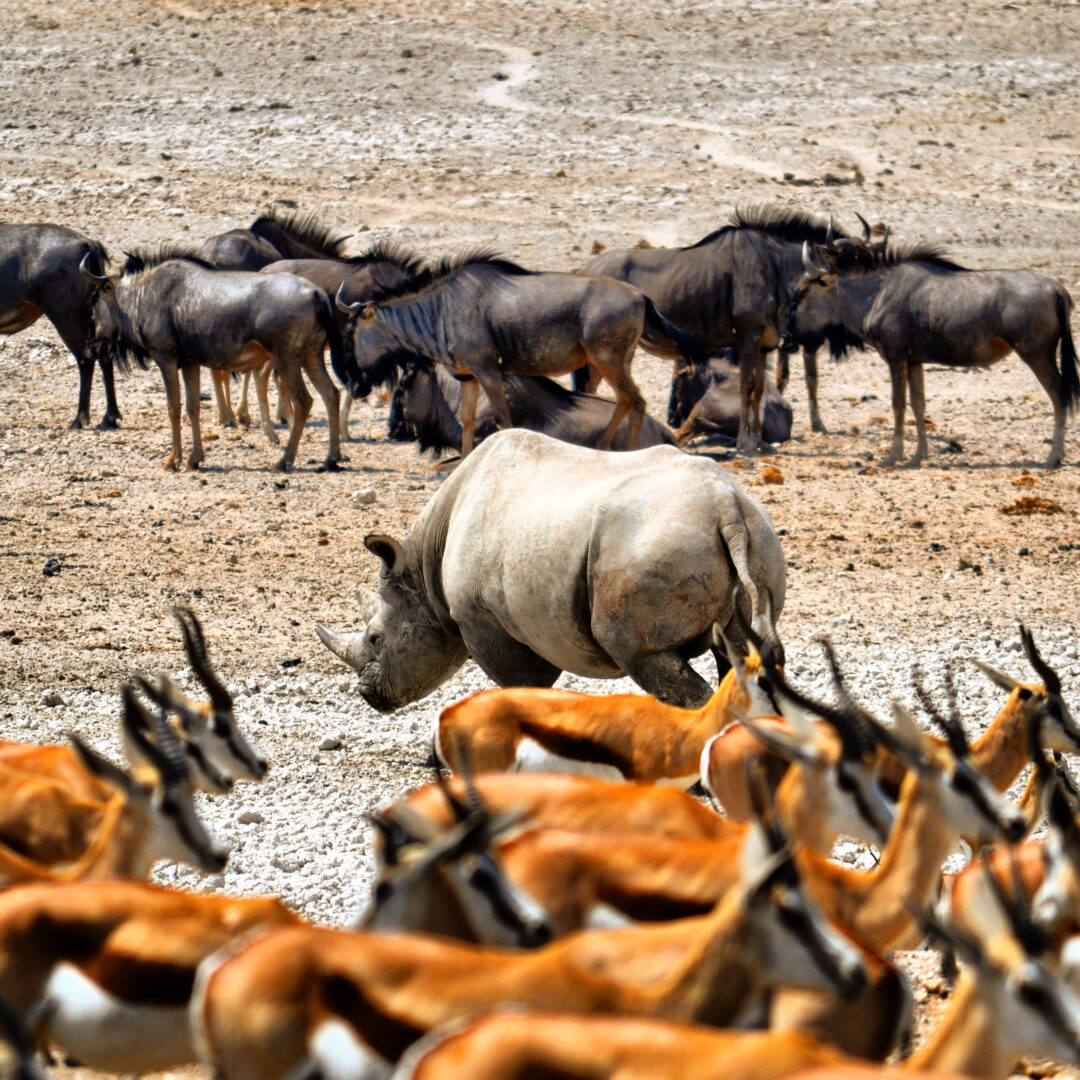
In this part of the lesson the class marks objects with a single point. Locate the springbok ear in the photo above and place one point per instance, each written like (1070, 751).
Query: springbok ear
(910, 739)
(102, 767)
(387, 549)
(998, 678)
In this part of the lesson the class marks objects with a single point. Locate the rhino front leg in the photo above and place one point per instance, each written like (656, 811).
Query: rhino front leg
(505, 661)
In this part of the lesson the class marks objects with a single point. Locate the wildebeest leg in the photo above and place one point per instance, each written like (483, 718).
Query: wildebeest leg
(811, 372)
(751, 386)
(783, 370)
(262, 382)
(171, 378)
(898, 375)
(291, 384)
(505, 661)
(112, 410)
(491, 381)
(667, 676)
(86, 382)
(192, 379)
(470, 395)
(242, 413)
(615, 369)
(917, 394)
(284, 415)
(343, 418)
(316, 370)
(220, 380)
(1050, 380)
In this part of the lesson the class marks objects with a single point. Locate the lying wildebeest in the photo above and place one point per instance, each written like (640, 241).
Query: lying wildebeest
(714, 392)
(428, 400)
(177, 310)
(537, 557)
(916, 307)
(277, 234)
(39, 275)
(730, 288)
(481, 315)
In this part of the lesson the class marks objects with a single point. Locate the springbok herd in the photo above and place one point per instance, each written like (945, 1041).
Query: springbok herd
(564, 906)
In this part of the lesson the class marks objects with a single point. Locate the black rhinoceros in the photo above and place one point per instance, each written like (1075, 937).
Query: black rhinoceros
(537, 557)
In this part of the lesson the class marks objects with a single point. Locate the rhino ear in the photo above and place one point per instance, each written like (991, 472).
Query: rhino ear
(388, 549)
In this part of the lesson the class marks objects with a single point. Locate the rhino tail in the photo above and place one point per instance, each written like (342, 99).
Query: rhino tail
(659, 329)
(1070, 380)
(736, 539)
(345, 368)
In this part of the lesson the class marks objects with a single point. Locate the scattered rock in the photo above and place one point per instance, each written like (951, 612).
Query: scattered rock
(250, 817)
(52, 568)
(597, 247)
(364, 497)
(52, 699)
(331, 742)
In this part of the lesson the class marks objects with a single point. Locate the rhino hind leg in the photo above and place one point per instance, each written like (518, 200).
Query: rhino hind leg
(669, 678)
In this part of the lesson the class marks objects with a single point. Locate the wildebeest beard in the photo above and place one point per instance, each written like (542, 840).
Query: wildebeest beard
(839, 339)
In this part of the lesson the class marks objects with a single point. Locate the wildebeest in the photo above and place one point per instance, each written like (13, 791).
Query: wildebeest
(428, 401)
(537, 557)
(39, 275)
(277, 234)
(480, 315)
(915, 307)
(709, 398)
(177, 310)
(730, 288)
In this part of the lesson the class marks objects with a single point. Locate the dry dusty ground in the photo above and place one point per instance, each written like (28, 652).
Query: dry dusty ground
(537, 129)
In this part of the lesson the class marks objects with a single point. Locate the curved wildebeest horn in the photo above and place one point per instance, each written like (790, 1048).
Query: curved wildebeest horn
(830, 235)
(950, 725)
(84, 268)
(811, 265)
(346, 309)
(865, 227)
(1045, 672)
(195, 647)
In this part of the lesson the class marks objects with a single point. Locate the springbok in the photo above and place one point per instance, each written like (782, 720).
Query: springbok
(612, 736)
(107, 968)
(352, 1003)
(1008, 1005)
(1000, 753)
(148, 816)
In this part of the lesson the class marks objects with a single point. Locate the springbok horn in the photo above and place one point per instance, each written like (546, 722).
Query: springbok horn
(809, 265)
(1045, 672)
(347, 647)
(85, 268)
(195, 648)
(346, 309)
(950, 725)
(865, 227)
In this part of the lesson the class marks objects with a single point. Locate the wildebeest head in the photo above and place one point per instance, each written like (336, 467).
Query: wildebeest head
(372, 344)
(106, 320)
(403, 653)
(806, 315)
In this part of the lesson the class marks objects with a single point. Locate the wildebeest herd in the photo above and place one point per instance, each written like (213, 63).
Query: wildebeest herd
(258, 300)
(603, 925)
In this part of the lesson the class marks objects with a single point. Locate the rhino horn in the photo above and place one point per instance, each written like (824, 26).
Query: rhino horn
(369, 602)
(347, 647)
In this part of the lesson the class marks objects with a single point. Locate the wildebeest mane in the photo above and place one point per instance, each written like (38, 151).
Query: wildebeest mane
(146, 258)
(408, 262)
(919, 251)
(435, 272)
(305, 229)
(782, 222)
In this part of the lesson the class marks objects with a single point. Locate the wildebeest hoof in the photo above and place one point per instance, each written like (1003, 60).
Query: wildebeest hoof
(329, 466)
(79, 423)
(170, 464)
(284, 465)
(888, 461)
(819, 427)
(193, 464)
(108, 423)
(913, 463)
(752, 444)
(1054, 461)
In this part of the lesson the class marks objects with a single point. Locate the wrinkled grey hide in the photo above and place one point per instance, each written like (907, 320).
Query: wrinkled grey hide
(537, 557)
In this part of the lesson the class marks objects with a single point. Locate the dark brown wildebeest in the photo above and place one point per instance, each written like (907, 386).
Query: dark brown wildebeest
(171, 307)
(480, 315)
(277, 234)
(714, 393)
(39, 275)
(730, 288)
(917, 307)
(428, 401)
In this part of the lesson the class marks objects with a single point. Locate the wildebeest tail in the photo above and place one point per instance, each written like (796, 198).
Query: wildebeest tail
(687, 346)
(1070, 380)
(345, 368)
